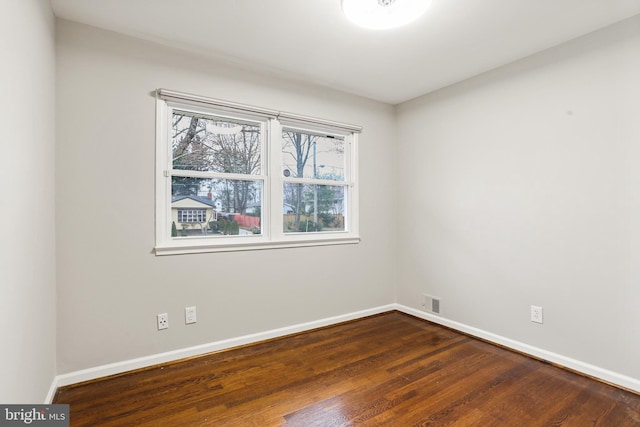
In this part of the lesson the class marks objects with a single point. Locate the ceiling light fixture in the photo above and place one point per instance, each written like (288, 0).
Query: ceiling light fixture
(384, 14)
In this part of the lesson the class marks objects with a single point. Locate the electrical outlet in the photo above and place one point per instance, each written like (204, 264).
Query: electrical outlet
(536, 314)
(163, 321)
(189, 315)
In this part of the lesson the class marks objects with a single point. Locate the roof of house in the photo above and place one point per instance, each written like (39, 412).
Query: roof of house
(204, 200)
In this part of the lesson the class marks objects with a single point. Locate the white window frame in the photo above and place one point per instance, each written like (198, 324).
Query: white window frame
(273, 235)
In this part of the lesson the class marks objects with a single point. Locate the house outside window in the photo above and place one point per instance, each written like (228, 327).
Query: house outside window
(236, 177)
(192, 215)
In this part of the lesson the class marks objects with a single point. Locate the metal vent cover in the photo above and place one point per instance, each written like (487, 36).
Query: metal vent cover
(431, 304)
(435, 305)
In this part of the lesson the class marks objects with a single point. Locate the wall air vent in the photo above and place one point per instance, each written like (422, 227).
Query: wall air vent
(435, 306)
(431, 304)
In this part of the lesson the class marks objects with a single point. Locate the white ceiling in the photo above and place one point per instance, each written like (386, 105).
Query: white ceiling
(311, 40)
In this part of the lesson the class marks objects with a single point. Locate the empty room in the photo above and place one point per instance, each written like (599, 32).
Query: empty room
(320, 212)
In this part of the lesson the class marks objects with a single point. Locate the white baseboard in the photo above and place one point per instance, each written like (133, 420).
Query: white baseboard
(143, 362)
(576, 365)
(52, 391)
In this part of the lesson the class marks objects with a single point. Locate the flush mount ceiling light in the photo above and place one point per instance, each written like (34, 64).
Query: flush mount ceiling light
(384, 14)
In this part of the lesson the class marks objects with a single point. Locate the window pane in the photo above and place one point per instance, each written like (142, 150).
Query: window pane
(313, 208)
(306, 155)
(192, 215)
(215, 207)
(215, 144)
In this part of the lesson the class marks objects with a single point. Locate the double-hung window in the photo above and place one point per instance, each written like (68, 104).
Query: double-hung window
(237, 177)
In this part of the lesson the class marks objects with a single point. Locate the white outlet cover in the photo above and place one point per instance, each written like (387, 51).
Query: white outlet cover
(163, 321)
(189, 315)
(536, 314)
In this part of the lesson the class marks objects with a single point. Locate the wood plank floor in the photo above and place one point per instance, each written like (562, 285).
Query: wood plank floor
(386, 370)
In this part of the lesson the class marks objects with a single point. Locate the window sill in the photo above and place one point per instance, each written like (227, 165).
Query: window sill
(195, 246)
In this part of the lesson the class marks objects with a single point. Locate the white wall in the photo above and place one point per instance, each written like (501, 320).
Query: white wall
(111, 286)
(522, 186)
(27, 259)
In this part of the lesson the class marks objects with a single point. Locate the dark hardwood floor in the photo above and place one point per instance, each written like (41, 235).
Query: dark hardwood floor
(387, 370)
